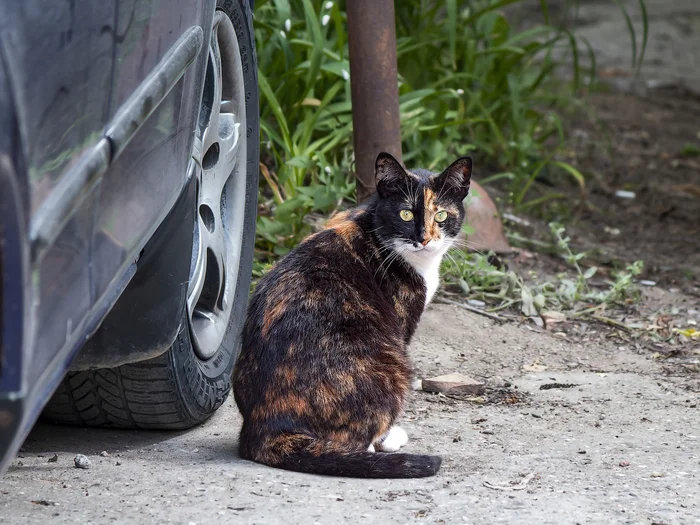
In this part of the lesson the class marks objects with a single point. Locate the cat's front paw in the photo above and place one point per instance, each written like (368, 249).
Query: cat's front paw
(393, 440)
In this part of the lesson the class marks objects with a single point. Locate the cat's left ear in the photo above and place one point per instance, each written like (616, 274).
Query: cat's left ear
(456, 178)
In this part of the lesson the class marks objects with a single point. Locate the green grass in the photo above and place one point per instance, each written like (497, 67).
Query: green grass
(474, 276)
(468, 83)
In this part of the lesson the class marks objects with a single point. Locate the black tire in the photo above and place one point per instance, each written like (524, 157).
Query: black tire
(177, 389)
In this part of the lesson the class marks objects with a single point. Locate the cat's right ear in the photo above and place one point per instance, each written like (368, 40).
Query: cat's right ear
(389, 175)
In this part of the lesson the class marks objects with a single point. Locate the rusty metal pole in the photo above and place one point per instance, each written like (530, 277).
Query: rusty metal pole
(374, 85)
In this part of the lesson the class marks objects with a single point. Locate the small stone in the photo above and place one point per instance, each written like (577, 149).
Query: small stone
(53, 459)
(645, 282)
(118, 463)
(552, 318)
(81, 461)
(581, 451)
(624, 194)
(417, 384)
(624, 463)
(476, 303)
(453, 384)
(536, 415)
(534, 367)
(104, 453)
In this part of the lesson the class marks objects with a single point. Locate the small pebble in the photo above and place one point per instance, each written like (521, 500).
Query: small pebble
(624, 194)
(535, 414)
(644, 282)
(581, 451)
(53, 459)
(476, 303)
(417, 384)
(624, 463)
(104, 453)
(81, 461)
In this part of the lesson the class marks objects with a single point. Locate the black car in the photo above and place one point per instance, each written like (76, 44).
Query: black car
(129, 144)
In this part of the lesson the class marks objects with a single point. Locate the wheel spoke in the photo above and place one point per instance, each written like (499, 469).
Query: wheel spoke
(197, 279)
(228, 147)
(211, 132)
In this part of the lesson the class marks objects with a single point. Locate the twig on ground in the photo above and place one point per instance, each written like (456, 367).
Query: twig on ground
(520, 485)
(442, 300)
(611, 322)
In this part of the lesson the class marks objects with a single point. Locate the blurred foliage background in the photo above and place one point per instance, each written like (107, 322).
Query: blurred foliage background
(469, 83)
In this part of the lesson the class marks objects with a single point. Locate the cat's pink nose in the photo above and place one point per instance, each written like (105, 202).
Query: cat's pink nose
(425, 241)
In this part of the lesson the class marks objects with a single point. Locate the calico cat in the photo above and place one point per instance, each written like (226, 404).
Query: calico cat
(323, 371)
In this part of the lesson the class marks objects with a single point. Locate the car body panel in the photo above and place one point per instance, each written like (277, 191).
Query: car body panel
(86, 187)
(147, 176)
(66, 43)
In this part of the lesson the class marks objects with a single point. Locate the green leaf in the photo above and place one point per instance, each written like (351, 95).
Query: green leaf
(690, 150)
(452, 30)
(271, 99)
(527, 302)
(576, 174)
(590, 272)
(316, 54)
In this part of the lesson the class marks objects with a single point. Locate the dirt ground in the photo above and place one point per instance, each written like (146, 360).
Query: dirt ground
(621, 446)
(635, 143)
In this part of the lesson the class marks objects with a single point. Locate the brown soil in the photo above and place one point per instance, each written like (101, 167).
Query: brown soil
(645, 142)
(637, 144)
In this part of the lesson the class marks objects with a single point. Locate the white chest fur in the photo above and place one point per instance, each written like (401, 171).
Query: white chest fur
(428, 267)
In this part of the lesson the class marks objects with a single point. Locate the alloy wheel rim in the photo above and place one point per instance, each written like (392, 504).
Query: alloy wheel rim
(219, 165)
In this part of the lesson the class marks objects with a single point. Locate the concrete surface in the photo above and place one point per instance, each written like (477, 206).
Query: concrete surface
(621, 447)
(674, 37)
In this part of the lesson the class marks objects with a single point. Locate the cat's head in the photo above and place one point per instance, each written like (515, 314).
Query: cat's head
(420, 213)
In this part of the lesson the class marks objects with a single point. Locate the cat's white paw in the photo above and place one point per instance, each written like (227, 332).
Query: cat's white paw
(394, 440)
(370, 448)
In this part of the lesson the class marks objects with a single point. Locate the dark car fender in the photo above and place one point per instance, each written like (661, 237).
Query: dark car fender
(146, 318)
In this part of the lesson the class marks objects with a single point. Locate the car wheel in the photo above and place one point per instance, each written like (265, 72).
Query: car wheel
(185, 385)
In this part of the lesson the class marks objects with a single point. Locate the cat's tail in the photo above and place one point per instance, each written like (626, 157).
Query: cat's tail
(303, 452)
(361, 464)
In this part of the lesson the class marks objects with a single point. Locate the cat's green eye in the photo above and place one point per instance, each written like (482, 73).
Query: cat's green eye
(406, 215)
(441, 216)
